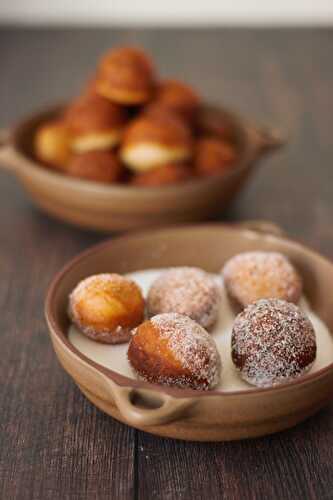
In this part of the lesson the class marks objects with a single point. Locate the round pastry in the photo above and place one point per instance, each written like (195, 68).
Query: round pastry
(95, 123)
(178, 97)
(213, 156)
(126, 76)
(162, 176)
(98, 166)
(186, 290)
(210, 120)
(272, 342)
(155, 139)
(173, 350)
(52, 144)
(106, 307)
(251, 276)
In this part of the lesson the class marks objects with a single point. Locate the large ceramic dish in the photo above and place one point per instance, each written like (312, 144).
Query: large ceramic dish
(188, 414)
(120, 207)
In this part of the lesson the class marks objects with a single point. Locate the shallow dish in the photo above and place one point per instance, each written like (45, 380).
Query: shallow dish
(187, 414)
(121, 207)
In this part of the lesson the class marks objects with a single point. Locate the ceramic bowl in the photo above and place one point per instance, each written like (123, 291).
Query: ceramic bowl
(187, 414)
(121, 207)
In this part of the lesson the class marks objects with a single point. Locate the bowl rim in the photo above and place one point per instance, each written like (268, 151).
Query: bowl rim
(125, 381)
(249, 151)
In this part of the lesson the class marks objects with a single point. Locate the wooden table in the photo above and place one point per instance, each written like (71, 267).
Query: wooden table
(54, 444)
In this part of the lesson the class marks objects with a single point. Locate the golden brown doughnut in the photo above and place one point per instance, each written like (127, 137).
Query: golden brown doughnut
(155, 139)
(272, 342)
(95, 123)
(251, 276)
(52, 144)
(178, 97)
(212, 121)
(162, 176)
(213, 156)
(105, 307)
(173, 350)
(126, 76)
(98, 166)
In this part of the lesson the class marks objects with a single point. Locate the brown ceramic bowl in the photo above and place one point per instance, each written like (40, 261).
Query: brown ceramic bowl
(186, 414)
(121, 207)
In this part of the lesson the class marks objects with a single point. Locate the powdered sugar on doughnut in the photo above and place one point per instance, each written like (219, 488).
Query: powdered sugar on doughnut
(192, 346)
(186, 290)
(252, 276)
(272, 342)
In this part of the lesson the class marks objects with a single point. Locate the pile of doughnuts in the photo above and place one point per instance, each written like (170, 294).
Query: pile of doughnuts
(130, 126)
(170, 333)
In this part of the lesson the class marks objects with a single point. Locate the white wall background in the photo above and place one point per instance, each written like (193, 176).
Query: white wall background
(167, 12)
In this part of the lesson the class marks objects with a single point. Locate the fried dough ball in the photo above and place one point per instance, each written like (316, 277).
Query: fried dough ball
(126, 76)
(106, 307)
(52, 144)
(153, 140)
(272, 342)
(213, 121)
(251, 276)
(98, 166)
(213, 156)
(163, 176)
(95, 123)
(186, 290)
(178, 97)
(173, 350)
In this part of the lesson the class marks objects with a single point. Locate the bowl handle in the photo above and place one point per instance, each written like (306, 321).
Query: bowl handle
(8, 157)
(165, 407)
(262, 226)
(265, 140)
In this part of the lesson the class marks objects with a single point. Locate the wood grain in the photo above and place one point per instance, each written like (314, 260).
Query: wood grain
(53, 443)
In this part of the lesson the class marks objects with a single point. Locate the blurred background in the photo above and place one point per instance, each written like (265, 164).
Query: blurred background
(172, 12)
(268, 61)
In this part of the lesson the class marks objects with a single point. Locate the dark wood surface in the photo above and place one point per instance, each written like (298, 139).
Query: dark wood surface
(54, 444)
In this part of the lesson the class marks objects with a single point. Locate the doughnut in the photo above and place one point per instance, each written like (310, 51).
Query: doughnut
(162, 176)
(272, 342)
(186, 290)
(106, 307)
(95, 123)
(173, 350)
(126, 76)
(98, 166)
(156, 109)
(153, 140)
(251, 276)
(212, 121)
(52, 144)
(178, 97)
(213, 156)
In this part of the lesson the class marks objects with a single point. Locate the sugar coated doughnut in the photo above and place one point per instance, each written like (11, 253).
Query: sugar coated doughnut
(272, 342)
(173, 350)
(251, 276)
(105, 307)
(186, 290)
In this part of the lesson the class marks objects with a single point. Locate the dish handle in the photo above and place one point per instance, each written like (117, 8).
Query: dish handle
(262, 226)
(264, 140)
(143, 407)
(8, 158)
